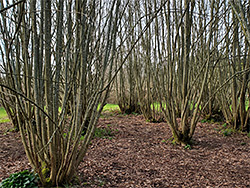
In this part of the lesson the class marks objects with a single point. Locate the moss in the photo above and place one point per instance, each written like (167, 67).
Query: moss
(183, 141)
(48, 180)
(45, 173)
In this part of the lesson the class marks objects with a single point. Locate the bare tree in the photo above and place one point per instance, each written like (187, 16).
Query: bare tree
(54, 142)
(60, 75)
(239, 62)
(126, 94)
(182, 80)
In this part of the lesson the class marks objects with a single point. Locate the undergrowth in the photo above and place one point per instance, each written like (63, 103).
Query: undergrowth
(105, 132)
(24, 179)
(225, 130)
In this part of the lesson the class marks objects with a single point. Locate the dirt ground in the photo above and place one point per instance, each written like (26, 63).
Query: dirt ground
(141, 155)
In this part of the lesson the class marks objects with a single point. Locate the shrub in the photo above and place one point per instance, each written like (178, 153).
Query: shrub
(23, 179)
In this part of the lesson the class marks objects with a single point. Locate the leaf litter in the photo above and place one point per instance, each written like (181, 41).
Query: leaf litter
(140, 154)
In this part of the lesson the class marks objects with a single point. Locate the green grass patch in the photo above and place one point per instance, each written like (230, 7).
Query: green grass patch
(157, 106)
(3, 113)
(4, 120)
(246, 105)
(192, 106)
(3, 116)
(110, 107)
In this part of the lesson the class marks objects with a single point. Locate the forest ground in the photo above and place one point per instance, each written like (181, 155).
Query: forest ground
(140, 154)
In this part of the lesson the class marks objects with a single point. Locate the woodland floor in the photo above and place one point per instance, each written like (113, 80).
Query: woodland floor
(140, 154)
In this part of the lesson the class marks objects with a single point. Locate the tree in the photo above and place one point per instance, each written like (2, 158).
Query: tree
(182, 79)
(8, 34)
(240, 111)
(125, 84)
(59, 77)
(43, 77)
(60, 60)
